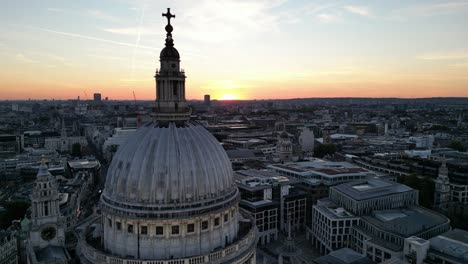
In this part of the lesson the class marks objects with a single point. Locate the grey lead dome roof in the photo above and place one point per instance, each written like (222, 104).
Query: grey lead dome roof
(169, 165)
(169, 53)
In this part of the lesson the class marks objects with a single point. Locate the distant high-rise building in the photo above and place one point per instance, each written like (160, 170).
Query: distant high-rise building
(97, 97)
(207, 99)
(460, 121)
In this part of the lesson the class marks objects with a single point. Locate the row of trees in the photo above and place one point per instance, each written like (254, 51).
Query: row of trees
(457, 145)
(323, 150)
(13, 211)
(425, 186)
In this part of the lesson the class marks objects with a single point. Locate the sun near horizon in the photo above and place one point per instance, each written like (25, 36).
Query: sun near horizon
(227, 97)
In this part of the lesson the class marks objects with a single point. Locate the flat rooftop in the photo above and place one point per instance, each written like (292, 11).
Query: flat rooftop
(344, 256)
(372, 188)
(406, 222)
(258, 203)
(52, 254)
(242, 154)
(335, 212)
(452, 244)
(83, 164)
(260, 179)
(320, 167)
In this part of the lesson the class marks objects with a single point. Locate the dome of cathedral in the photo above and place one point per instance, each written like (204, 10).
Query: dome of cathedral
(169, 195)
(169, 53)
(169, 165)
(284, 135)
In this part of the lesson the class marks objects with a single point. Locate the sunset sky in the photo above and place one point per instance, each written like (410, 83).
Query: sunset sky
(243, 49)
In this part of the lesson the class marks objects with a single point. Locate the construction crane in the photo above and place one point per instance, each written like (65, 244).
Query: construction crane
(134, 97)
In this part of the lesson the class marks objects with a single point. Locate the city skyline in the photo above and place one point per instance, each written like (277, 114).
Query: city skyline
(236, 49)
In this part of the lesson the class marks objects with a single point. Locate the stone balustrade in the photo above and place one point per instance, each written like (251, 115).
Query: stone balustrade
(242, 248)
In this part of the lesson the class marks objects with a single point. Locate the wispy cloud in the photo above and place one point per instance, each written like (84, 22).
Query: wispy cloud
(429, 9)
(328, 12)
(138, 39)
(92, 38)
(328, 18)
(225, 19)
(319, 11)
(358, 10)
(134, 31)
(313, 8)
(22, 58)
(452, 55)
(453, 4)
(98, 14)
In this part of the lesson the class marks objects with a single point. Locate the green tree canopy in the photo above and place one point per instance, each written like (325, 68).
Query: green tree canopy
(13, 211)
(424, 185)
(76, 150)
(457, 145)
(324, 149)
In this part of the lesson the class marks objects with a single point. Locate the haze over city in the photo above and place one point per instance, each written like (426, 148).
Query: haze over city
(236, 49)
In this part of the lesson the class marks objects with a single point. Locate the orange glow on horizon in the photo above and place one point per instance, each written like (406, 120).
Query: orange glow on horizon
(227, 97)
(64, 51)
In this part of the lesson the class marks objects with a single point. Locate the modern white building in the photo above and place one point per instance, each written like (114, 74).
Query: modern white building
(112, 143)
(416, 248)
(449, 247)
(331, 226)
(307, 139)
(422, 142)
(317, 171)
(373, 217)
(169, 196)
(365, 196)
(273, 201)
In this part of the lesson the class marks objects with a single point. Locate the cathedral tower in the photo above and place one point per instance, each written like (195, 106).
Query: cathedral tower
(170, 82)
(47, 225)
(442, 188)
(284, 147)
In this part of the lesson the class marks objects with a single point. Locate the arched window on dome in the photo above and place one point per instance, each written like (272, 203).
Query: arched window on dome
(190, 228)
(144, 230)
(175, 230)
(159, 230)
(204, 225)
